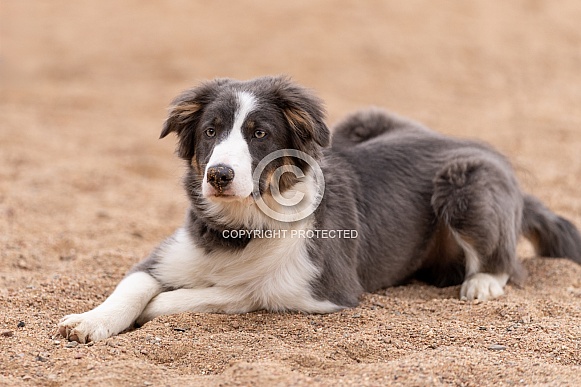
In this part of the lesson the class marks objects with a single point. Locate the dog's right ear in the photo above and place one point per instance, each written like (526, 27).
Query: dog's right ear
(181, 114)
(185, 112)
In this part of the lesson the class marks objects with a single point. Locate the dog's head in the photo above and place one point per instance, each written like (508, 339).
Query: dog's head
(226, 127)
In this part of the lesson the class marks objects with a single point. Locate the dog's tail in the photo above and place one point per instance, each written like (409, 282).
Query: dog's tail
(550, 234)
(364, 125)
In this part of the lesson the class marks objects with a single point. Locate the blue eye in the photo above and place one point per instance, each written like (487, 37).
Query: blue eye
(210, 132)
(259, 134)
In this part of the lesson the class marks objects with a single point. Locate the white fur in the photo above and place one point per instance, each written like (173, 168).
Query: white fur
(269, 273)
(470, 254)
(115, 314)
(477, 285)
(234, 152)
(483, 286)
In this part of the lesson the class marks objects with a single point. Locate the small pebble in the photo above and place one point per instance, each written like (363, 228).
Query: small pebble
(56, 342)
(22, 264)
(78, 355)
(496, 347)
(71, 344)
(7, 333)
(21, 324)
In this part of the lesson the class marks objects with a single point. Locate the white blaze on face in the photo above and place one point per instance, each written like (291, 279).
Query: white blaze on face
(233, 152)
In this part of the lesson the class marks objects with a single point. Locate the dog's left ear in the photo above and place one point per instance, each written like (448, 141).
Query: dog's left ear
(303, 111)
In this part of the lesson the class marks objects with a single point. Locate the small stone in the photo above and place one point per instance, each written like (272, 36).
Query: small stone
(22, 264)
(356, 315)
(483, 328)
(496, 347)
(103, 214)
(7, 333)
(78, 355)
(235, 324)
(68, 257)
(137, 234)
(41, 359)
(56, 342)
(526, 319)
(21, 324)
(179, 329)
(71, 344)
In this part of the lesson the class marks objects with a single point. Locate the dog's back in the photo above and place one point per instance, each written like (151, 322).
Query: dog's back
(438, 187)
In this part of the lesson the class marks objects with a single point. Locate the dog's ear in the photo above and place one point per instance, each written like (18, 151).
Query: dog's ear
(185, 112)
(304, 113)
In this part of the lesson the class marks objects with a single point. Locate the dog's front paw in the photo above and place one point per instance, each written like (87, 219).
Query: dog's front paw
(84, 327)
(483, 287)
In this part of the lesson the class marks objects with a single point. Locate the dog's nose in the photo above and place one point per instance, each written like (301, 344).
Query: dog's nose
(219, 176)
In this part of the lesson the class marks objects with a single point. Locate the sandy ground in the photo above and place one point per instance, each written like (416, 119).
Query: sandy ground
(86, 189)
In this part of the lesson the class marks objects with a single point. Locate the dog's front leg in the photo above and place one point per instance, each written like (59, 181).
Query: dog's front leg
(202, 300)
(115, 314)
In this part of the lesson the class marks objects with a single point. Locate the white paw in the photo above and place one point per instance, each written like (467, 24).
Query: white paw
(85, 327)
(483, 286)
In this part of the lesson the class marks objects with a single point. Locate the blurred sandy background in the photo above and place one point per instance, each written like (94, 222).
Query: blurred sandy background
(86, 189)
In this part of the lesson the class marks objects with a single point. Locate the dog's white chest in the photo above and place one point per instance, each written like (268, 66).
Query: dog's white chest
(269, 273)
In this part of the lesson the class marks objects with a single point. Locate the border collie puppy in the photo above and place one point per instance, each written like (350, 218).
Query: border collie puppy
(281, 221)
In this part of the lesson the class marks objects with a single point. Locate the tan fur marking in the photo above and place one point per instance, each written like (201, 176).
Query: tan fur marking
(184, 110)
(298, 118)
(197, 167)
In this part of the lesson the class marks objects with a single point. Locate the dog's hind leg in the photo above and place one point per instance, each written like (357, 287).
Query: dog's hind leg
(479, 200)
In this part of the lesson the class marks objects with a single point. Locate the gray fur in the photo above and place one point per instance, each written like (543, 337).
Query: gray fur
(551, 234)
(419, 186)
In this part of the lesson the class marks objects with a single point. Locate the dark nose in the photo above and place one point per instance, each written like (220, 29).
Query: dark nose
(219, 176)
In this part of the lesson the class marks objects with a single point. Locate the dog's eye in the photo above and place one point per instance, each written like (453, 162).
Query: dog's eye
(210, 132)
(259, 134)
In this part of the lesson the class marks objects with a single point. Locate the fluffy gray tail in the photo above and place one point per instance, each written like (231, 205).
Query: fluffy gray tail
(550, 234)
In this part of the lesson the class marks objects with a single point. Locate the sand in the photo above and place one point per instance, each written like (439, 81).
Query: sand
(87, 189)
